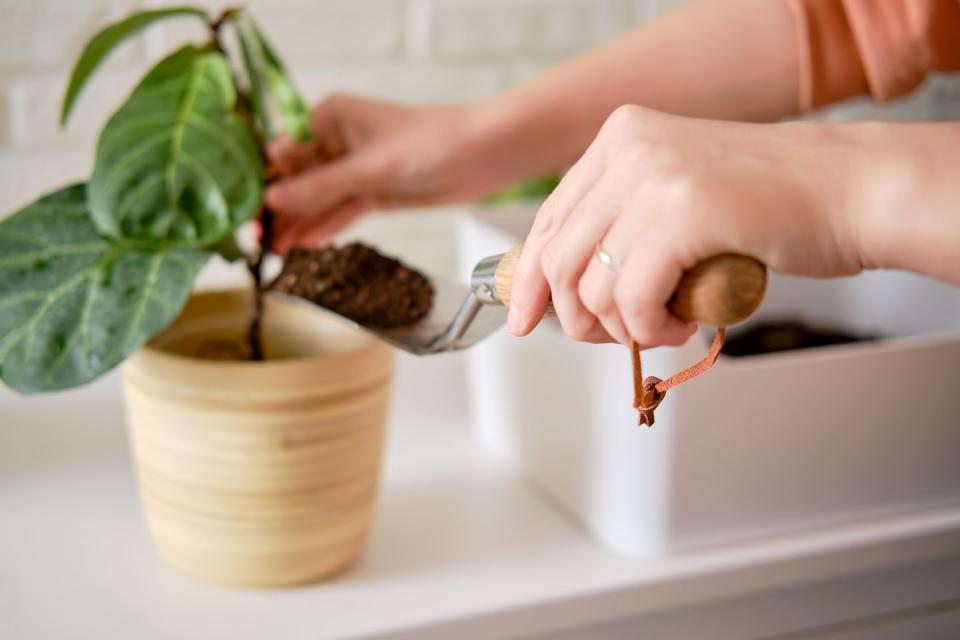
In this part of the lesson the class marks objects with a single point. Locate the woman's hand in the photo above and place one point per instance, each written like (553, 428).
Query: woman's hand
(660, 193)
(367, 154)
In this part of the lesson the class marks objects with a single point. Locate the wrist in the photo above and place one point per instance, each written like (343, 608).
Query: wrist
(873, 179)
(907, 199)
(532, 133)
(502, 127)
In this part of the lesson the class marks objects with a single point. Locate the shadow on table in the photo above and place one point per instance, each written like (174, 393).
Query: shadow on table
(42, 434)
(458, 519)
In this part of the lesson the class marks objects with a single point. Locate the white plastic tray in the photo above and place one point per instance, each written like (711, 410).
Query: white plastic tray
(759, 445)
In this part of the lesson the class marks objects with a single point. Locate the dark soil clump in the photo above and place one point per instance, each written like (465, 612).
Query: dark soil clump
(785, 336)
(224, 349)
(357, 282)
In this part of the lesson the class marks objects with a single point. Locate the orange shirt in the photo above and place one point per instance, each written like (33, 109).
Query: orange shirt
(886, 47)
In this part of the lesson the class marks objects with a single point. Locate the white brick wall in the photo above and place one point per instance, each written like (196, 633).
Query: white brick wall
(46, 34)
(412, 50)
(505, 29)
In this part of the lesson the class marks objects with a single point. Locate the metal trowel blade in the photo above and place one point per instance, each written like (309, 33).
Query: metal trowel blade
(456, 320)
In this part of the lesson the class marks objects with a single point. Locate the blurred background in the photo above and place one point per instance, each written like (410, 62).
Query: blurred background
(407, 50)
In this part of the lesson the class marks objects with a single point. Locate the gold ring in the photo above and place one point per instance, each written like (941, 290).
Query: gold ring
(606, 259)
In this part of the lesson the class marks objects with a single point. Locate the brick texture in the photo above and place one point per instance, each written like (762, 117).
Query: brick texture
(644, 10)
(25, 175)
(417, 83)
(409, 50)
(470, 29)
(311, 32)
(34, 108)
(48, 34)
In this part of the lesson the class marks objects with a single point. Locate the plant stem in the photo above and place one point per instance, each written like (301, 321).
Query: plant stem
(254, 262)
(255, 266)
(225, 16)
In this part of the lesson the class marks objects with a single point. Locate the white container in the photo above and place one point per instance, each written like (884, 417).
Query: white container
(758, 445)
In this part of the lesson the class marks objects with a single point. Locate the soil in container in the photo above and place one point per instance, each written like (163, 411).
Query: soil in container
(786, 335)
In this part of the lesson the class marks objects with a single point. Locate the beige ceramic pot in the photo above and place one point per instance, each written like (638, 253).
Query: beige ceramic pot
(258, 473)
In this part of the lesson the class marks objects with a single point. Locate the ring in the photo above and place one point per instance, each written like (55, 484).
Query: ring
(606, 259)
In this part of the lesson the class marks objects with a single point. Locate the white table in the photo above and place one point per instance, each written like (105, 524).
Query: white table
(462, 547)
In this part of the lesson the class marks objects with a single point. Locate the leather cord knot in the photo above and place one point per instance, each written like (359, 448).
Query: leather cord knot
(649, 399)
(649, 393)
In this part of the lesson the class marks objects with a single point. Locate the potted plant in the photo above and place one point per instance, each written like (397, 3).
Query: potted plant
(258, 470)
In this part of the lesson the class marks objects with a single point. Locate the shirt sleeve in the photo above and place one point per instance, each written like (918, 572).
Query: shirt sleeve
(884, 47)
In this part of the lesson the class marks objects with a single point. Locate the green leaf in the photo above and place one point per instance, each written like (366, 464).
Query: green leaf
(296, 117)
(228, 249)
(531, 190)
(100, 46)
(265, 70)
(254, 64)
(73, 305)
(176, 162)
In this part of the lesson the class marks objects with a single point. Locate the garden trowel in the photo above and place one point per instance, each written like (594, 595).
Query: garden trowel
(720, 291)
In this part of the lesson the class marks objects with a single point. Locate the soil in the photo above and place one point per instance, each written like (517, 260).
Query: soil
(225, 349)
(785, 336)
(357, 282)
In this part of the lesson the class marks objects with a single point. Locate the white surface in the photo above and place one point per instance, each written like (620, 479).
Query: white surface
(461, 547)
(758, 445)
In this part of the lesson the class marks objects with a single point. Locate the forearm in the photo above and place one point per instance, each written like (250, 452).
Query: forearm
(909, 204)
(735, 60)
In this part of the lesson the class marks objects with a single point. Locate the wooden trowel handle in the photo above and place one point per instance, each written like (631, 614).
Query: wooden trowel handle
(720, 291)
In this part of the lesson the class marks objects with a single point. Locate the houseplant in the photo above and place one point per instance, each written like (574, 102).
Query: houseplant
(256, 473)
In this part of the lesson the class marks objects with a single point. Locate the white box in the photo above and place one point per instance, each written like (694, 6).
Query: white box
(758, 445)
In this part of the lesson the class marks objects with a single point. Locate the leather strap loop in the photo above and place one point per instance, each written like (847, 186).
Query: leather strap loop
(649, 393)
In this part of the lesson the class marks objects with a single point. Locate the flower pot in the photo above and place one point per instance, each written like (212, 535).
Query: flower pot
(258, 473)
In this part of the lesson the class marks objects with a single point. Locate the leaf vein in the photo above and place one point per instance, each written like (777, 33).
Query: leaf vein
(12, 339)
(176, 140)
(21, 297)
(52, 252)
(128, 158)
(151, 280)
(57, 364)
(24, 237)
(128, 200)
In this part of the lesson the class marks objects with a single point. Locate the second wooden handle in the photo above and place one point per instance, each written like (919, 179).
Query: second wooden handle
(720, 291)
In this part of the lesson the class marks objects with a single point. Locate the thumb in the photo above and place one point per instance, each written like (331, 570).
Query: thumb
(316, 190)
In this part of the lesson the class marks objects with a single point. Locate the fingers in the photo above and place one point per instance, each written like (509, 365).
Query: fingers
(593, 303)
(310, 232)
(595, 290)
(531, 290)
(288, 157)
(319, 193)
(314, 191)
(648, 276)
(567, 255)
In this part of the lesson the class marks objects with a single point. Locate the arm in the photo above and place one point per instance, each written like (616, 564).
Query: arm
(807, 199)
(733, 60)
(908, 206)
(692, 61)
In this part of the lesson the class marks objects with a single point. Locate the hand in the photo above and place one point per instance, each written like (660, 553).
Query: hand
(660, 193)
(367, 154)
